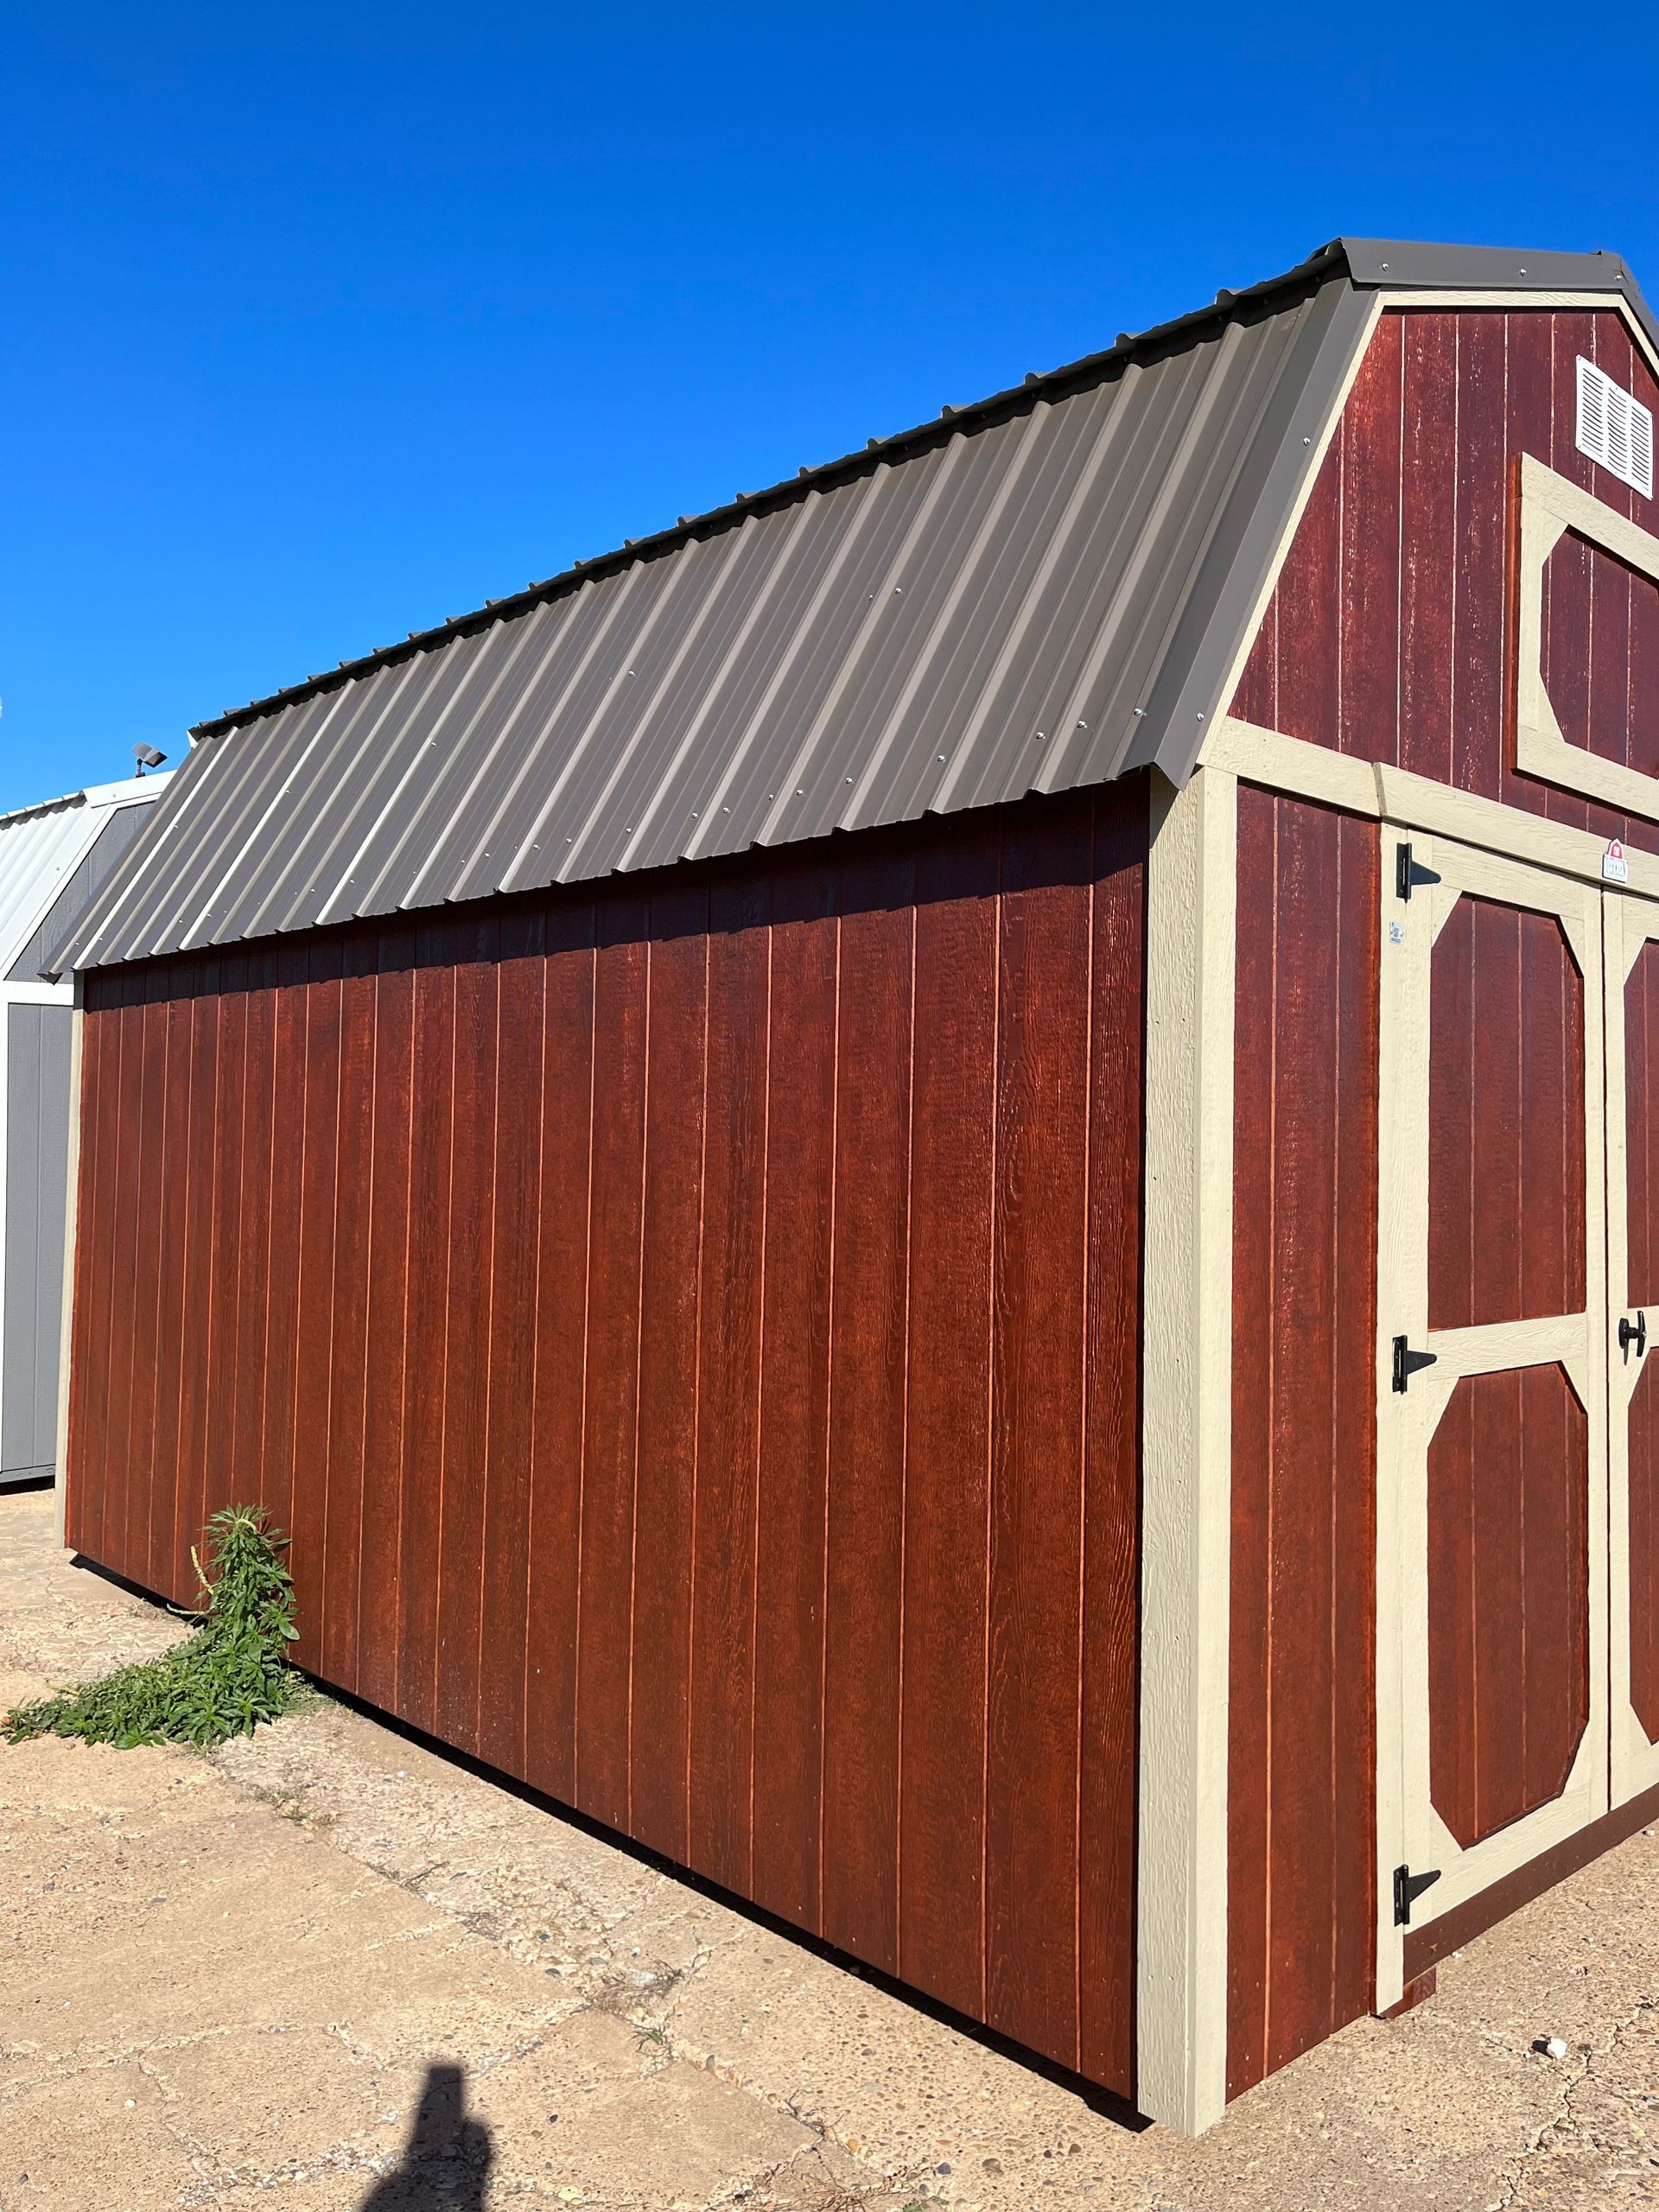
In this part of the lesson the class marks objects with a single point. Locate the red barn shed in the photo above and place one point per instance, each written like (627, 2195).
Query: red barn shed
(940, 1190)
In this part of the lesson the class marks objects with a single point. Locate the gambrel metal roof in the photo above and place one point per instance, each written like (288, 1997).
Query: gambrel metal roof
(1039, 592)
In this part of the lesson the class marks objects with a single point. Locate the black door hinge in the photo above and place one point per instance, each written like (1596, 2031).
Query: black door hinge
(1408, 871)
(1407, 1363)
(1408, 1888)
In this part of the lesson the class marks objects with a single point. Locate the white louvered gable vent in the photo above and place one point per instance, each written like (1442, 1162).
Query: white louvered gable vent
(1614, 428)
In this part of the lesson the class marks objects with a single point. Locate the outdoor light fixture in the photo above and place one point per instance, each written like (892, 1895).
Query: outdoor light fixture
(147, 757)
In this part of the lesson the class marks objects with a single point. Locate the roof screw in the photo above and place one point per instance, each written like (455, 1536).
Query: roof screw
(1307, 441)
(1382, 264)
(1199, 718)
(941, 756)
(1141, 712)
(801, 793)
(694, 814)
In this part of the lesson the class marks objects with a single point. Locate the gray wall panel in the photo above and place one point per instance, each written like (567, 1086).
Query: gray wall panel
(36, 1170)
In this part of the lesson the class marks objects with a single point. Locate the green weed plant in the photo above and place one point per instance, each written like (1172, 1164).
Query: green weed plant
(222, 1681)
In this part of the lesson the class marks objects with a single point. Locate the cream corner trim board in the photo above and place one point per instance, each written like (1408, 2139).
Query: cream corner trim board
(1550, 507)
(1181, 1996)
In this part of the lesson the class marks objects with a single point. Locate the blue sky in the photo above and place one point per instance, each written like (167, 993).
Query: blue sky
(322, 324)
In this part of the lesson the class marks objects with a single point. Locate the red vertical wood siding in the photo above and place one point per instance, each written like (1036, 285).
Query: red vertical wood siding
(1039, 1279)
(659, 1717)
(355, 1207)
(509, 1412)
(611, 1426)
(1302, 1739)
(1388, 634)
(426, 1314)
(693, 1334)
(790, 1559)
(864, 1599)
(319, 1137)
(466, 1346)
(734, 1183)
(389, 1233)
(569, 1108)
(948, 1423)
(282, 1303)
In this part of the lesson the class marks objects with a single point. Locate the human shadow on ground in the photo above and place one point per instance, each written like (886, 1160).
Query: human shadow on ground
(446, 2164)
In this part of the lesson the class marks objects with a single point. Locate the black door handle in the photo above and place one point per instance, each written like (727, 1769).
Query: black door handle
(1633, 1332)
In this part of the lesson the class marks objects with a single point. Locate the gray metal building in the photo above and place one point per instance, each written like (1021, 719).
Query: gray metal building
(53, 858)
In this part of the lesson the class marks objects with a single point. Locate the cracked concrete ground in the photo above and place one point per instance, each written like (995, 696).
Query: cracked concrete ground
(328, 1970)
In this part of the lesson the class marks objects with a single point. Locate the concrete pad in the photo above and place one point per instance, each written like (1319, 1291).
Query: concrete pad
(267, 2100)
(92, 2137)
(596, 2109)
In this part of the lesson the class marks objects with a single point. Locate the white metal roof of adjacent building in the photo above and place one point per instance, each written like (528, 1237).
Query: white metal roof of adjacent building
(46, 860)
(1042, 591)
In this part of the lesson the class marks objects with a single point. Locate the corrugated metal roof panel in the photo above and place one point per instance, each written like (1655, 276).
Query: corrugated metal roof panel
(957, 627)
(36, 854)
(114, 828)
(40, 848)
(1041, 592)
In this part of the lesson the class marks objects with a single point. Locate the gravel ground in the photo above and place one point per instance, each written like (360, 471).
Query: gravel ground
(326, 1968)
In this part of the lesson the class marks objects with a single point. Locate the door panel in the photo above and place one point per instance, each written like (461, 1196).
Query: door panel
(1491, 1378)
(1509, 1577)
(1631, 935)
(1506, 1152)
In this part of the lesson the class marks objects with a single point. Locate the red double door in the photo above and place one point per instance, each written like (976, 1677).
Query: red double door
(1518, 1419)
